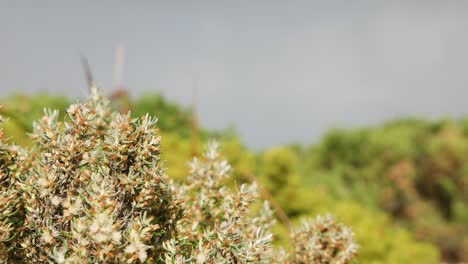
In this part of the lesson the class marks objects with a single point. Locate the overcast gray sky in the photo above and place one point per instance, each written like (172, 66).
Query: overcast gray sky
(281, 71)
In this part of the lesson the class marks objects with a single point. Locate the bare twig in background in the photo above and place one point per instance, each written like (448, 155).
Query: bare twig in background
(119, 66)
(87, 70)
(283, 217)
(120, 95)
(194, 121)
(263, 191)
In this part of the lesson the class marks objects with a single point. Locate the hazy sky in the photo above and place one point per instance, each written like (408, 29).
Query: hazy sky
(281, 71)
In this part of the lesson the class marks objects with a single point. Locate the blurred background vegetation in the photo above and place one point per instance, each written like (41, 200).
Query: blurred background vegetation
(402, 186)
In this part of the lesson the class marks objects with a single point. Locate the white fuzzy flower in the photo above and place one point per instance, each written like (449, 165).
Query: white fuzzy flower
(47, 236)
(56, 200)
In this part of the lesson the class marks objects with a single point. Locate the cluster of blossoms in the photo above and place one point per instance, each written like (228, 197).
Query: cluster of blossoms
(219, 227)
(93, 190)
(322, 240)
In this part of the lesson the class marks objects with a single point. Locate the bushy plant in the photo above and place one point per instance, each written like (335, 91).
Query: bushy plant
(220, 228)
(11, 168)
(93, 190)
(96, 191)
(322, 241)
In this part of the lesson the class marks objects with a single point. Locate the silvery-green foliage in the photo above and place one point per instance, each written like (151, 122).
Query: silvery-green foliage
(93, 190)
(97, 192)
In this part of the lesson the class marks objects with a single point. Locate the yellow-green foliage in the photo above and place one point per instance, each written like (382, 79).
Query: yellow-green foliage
(242, 160)
(279, 173)
(379, 239)
(416, 171)
(174, 118)
(176, 159)
(21, 111)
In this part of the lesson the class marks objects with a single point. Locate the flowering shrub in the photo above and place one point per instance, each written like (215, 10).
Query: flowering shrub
(323, 241)
(218, 227)
(11, 167)
(93, 190)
